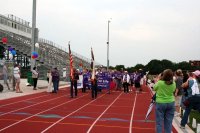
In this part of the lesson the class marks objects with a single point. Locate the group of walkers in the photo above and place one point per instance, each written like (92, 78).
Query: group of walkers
(173, 90)
(112, 80)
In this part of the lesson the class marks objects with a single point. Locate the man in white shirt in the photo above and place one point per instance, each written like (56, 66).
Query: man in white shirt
(126, 80)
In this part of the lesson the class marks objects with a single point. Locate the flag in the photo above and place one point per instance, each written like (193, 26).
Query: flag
(153, 100)
(71, 64)
(92, 64)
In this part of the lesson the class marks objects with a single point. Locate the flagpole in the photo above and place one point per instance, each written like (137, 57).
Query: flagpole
(108, 45)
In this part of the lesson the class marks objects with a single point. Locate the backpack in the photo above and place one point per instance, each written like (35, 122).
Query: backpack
(1, 87)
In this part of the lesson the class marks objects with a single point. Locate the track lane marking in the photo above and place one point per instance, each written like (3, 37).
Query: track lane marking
(32, 105)
(103, 113)
(68, 123)
(26, 99)
(70, 114)
(39, 113)
(133, 110)
(22, 100)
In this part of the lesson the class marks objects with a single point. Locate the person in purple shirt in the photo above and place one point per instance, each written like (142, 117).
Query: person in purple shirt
(55, 79)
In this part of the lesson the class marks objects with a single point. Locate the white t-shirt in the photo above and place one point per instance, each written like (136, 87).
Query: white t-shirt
(16, 72)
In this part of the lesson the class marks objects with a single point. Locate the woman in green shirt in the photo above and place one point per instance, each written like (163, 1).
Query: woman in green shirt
(165, 101)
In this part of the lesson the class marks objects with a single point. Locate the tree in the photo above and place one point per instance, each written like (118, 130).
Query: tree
(119, 67)
(154, 67)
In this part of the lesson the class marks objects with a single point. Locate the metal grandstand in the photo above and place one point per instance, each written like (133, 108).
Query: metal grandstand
(18, 33)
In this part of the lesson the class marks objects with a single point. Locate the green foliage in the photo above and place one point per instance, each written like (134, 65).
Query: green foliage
(120, 67)
(157, 66)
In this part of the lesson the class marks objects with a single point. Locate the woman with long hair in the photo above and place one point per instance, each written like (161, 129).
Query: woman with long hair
(165, 88)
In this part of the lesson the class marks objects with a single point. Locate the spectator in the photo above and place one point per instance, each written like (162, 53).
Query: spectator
(5, 75)
(179, 91)
(165, 88)
(35, 75)
(16, 72)
(192, 89)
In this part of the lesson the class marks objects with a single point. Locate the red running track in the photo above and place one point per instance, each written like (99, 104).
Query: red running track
(117, 112)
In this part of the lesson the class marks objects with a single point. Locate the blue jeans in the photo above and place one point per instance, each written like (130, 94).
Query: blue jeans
(55, 85)
(164, 114)
(185, 115)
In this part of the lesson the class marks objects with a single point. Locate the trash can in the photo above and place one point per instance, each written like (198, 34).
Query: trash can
(29, 78)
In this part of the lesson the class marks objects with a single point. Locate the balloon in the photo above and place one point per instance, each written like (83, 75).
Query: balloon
(37, 45)
(4, 40)
(10, 48)
(13, 52)
(33, 57)
(34, 54)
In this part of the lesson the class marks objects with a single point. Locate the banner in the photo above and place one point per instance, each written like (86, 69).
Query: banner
(103, 81)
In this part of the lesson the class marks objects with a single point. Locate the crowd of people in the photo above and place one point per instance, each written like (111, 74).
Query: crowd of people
(174, 91)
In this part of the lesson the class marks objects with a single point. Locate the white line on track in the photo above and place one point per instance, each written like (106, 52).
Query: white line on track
(32, 105)
(39, 113)
(22, 100)
(103, 113)
(27, 99)
(133, 110)
(70, 114)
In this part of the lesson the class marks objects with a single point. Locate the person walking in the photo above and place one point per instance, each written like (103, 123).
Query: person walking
(16, 72)
(74, 84)
(94, 87)
(85, 80)
(55, 79)
(35, 75)
(126, 80)
(137, 79)
(49, 79)
(5, 75)
(165, 102)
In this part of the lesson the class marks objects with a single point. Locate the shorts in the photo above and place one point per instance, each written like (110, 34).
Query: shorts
(5, 78)
(178, 100)
(17, 80)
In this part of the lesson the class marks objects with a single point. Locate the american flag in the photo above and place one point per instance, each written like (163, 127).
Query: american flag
(92, 64)
(71, 64)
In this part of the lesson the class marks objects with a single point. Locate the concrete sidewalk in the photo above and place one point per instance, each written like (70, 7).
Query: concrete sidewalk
(41, 85)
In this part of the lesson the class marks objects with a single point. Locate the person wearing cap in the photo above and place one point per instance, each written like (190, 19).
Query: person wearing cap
(192, 89)
(126, 80)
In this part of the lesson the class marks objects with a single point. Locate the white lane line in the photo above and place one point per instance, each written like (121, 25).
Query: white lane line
(103, 113)
(28, 99)
(70, 114)
(22, 100)
(39, 113)
(32, 105)
(133, 110)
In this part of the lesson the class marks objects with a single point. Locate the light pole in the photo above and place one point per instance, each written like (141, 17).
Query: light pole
(108, 45)
(33, 39)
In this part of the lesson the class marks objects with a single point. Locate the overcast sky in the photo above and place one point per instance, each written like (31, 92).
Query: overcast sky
(140, 30)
